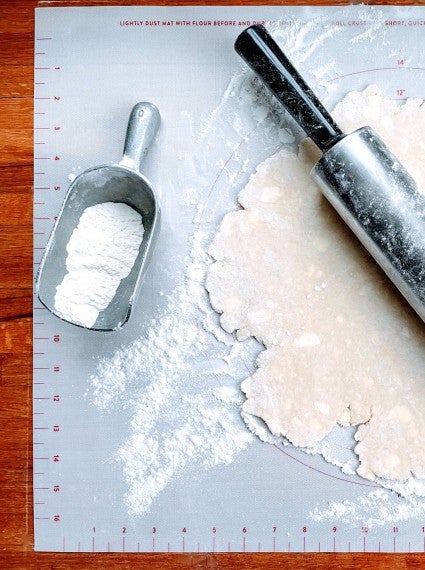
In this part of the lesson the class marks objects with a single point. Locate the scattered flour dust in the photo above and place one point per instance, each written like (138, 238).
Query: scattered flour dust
(374, 509)
(180, 414)
(101, 252)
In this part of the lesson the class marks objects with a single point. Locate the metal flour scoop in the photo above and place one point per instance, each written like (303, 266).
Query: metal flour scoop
(121, 183)
(361, 178)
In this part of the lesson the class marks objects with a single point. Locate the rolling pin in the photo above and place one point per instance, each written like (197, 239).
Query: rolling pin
(362, 179)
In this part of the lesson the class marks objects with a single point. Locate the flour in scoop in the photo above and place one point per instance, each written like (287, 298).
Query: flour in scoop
(101, 252)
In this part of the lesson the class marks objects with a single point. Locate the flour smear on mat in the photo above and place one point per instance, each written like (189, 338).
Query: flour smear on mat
(180, 414)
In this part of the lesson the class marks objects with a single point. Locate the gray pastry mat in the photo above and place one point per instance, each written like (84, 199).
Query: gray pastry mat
(91, 66)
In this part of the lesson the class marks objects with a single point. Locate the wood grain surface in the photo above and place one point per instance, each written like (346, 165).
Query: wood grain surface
(16, 158)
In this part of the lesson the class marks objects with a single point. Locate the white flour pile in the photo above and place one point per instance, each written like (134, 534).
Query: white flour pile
(101, 252)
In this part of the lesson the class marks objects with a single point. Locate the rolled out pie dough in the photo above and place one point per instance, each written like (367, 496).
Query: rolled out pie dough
(341, 345)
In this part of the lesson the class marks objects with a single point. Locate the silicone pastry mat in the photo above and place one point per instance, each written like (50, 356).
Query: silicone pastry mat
(91, 66)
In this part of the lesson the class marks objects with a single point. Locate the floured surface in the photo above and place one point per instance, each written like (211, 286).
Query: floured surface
(341, 346)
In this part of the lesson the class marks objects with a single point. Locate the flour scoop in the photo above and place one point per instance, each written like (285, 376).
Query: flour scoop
(357, 173)
(118, 184)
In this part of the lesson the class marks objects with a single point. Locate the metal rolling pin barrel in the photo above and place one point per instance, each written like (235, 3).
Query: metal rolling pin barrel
(357, 173)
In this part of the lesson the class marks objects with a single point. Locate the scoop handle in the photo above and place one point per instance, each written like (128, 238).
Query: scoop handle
(143, 125)
(259, 50)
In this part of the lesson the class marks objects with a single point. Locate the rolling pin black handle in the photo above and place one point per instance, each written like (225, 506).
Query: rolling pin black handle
(259, 50)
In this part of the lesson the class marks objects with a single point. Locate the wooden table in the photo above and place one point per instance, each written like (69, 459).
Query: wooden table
(16, 179)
